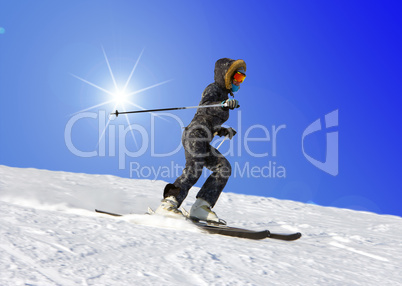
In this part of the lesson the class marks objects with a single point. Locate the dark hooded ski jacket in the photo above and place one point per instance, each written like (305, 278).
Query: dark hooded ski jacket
(211, 119)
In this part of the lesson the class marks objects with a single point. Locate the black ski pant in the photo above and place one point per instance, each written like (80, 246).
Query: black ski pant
(199, 154)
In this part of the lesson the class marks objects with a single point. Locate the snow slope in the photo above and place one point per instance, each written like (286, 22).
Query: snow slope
(49, 235)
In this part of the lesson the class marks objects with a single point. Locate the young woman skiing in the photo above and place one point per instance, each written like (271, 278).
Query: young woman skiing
(229, 74)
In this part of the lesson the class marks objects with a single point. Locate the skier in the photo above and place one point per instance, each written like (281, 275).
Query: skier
(196, 138)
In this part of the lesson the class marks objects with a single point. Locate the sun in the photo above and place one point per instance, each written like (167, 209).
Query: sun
(119, 97)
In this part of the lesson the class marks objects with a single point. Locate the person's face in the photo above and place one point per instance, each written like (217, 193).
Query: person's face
(238, 78)
(235, 82)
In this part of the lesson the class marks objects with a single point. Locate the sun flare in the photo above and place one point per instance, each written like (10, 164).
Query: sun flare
(120, 97)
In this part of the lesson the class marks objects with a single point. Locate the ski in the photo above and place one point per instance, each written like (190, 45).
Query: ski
(108, 213)
(233, 231)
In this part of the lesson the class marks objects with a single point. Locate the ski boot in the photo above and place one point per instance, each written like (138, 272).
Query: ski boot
(168, 208)
(201, 211)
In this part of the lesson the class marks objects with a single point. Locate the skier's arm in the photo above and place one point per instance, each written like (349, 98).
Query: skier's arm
(210, 96)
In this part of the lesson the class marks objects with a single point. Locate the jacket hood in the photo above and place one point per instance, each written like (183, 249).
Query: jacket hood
(225, 69)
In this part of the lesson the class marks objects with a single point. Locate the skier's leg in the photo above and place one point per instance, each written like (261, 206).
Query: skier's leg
(196, 146)
(174, 194)
(188, 178)
(215, 183)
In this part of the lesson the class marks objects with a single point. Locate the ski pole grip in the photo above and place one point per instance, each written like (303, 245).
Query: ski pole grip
(224, 104)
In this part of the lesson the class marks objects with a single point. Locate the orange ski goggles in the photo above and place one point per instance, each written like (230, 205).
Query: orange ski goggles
(239, 77)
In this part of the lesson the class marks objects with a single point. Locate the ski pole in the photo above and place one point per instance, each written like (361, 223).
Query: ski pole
(226, 137)
(166, 109)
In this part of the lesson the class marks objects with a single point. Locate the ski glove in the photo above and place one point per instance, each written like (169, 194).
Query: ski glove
(230, 103)
(230, 132)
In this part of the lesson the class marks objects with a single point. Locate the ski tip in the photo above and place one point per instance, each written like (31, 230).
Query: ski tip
(297, 235)
(288, 237)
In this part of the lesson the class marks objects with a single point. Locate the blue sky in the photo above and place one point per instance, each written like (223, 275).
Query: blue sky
(304, 60)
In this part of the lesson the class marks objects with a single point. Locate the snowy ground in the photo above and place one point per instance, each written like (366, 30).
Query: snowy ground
(49, 235)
